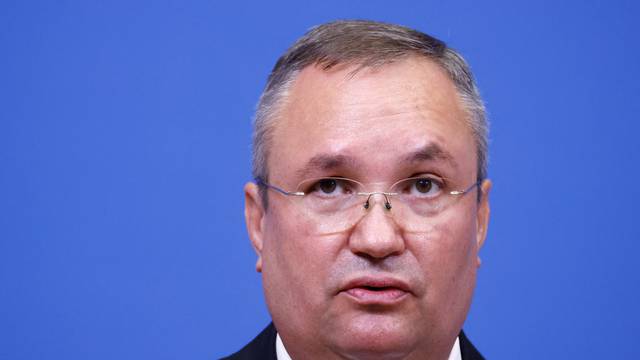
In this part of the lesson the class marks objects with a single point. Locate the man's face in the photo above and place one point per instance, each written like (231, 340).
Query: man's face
(373, 289)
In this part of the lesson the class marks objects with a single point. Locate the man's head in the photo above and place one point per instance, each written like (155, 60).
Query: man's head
(390, 270)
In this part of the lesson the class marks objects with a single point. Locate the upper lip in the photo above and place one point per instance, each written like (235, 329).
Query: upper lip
(376, 282)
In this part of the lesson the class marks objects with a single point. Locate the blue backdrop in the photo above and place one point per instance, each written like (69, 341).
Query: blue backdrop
(124, 146)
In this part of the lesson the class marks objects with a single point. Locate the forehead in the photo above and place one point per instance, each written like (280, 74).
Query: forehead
(374, 118)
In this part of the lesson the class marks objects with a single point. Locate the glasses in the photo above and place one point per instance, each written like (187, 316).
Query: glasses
(335, 204)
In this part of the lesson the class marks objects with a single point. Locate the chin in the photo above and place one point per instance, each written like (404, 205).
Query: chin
(376, 337)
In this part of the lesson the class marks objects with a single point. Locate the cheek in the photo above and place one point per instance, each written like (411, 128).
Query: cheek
(447, 255)
(295, 266)
(448, 243)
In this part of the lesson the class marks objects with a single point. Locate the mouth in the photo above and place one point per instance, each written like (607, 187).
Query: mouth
(376, 291)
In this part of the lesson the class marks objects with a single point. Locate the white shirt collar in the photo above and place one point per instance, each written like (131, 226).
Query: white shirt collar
(282, 354)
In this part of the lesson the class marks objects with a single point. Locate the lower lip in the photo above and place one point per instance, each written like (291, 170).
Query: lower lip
(387, 296)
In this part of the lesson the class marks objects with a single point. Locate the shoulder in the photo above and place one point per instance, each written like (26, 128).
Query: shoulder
(263, 347)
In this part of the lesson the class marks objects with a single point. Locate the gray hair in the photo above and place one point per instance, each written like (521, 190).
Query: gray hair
(365, 44)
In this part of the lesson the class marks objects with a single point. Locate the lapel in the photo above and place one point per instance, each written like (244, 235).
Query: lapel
(263, 347)
(467, 350)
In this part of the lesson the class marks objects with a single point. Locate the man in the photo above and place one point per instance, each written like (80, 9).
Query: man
(370, 201)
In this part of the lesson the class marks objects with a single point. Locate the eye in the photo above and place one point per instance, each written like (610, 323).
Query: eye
(424, 187)
(327, 186)
(331, 187)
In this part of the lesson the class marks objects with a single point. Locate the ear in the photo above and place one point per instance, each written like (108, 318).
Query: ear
(254, 215)
(482, 218)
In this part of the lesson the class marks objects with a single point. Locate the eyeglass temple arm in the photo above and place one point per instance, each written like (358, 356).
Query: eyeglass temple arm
(462, 192)
(261, 182)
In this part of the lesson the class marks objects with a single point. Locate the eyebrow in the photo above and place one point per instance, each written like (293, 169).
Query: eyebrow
(431, 152)
(326, 162)
(321, 163)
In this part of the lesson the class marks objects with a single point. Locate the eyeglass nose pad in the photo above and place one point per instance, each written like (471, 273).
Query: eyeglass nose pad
(387, 204)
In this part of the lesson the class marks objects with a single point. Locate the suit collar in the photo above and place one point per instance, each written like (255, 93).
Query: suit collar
(263, 347)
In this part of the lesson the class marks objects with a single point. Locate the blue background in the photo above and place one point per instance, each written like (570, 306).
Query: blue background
(124, 146)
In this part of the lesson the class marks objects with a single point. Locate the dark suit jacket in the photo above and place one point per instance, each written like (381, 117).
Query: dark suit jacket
(263, 347)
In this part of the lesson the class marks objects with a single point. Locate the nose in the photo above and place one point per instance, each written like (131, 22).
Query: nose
(377, 235)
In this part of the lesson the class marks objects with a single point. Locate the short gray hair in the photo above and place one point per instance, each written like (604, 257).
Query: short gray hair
(365, 44)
